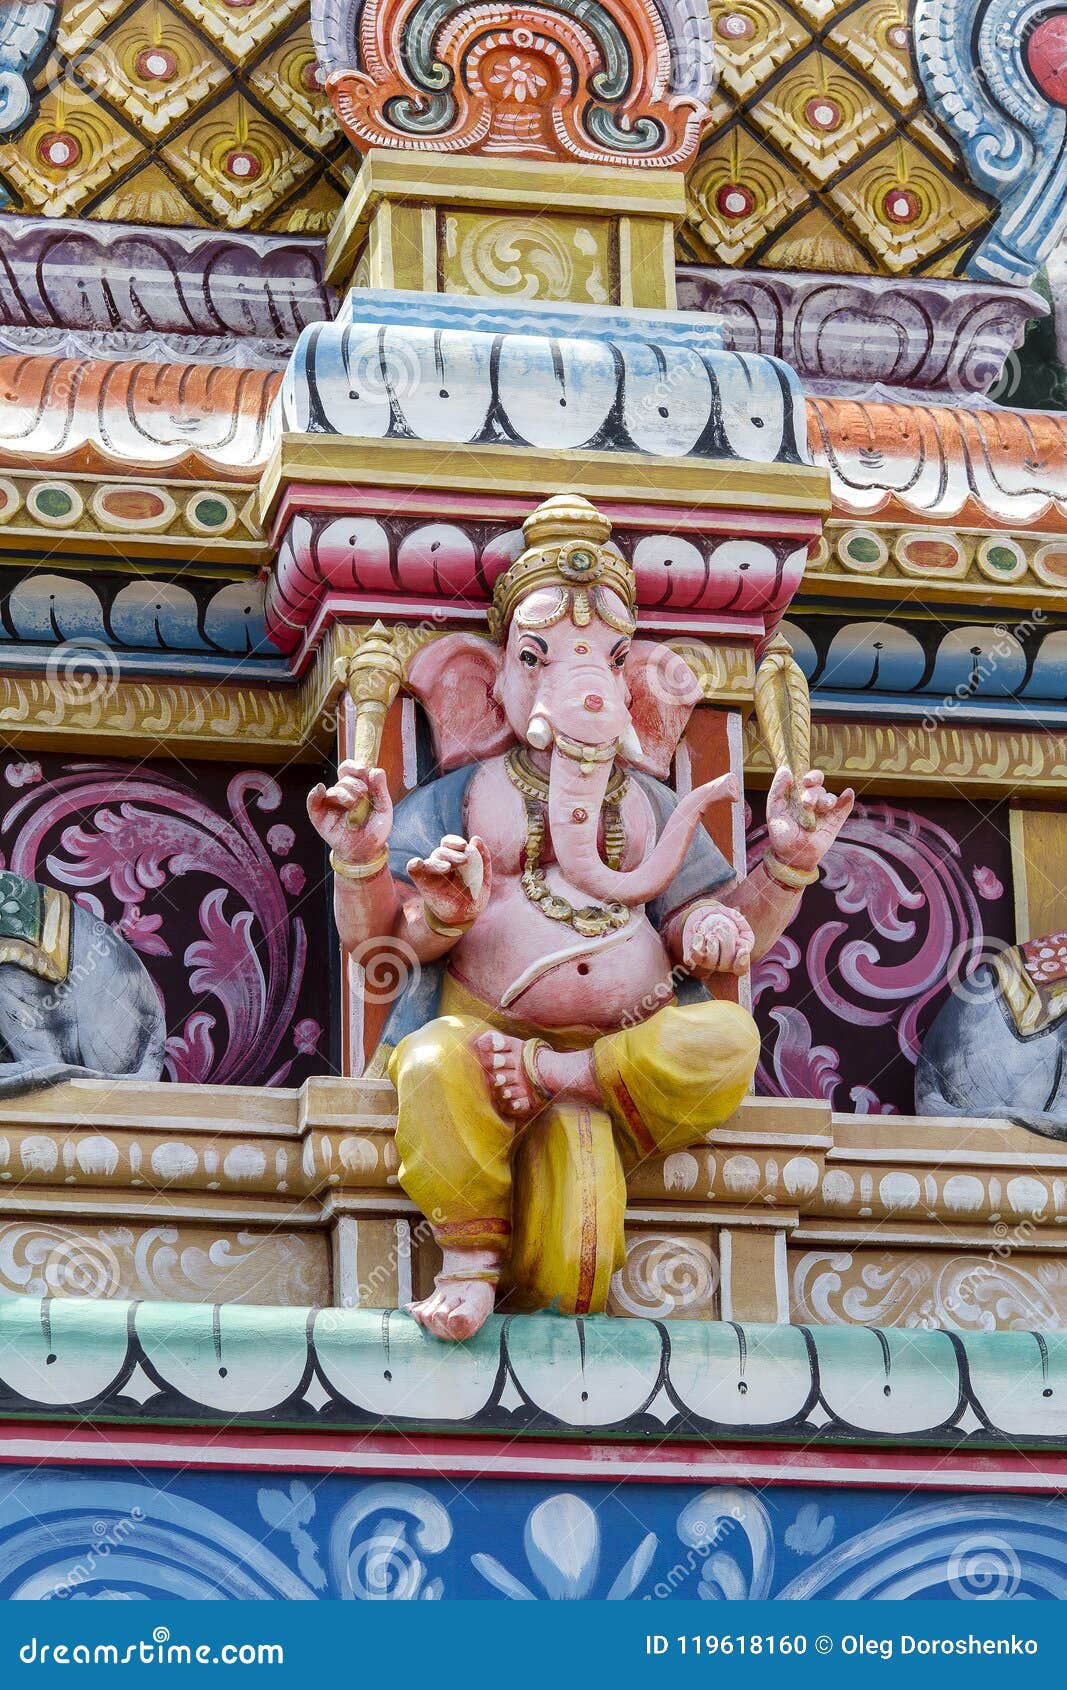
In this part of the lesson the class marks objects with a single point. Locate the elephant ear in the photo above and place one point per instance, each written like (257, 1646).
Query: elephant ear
(453, 679)
(663, 693)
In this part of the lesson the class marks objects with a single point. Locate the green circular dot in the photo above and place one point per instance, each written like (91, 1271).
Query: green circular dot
(53, 501)
(862, 549)
(1000, 557)
(211, 513)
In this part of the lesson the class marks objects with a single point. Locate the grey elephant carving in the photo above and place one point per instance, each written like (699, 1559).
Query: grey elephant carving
(998, 1047)
(76, 1001)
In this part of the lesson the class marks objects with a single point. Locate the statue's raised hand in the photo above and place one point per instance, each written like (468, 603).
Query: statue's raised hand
(355, 815)
(454, 880)
(789, 807)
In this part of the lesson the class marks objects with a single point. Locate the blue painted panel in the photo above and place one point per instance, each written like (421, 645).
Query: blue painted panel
(118, 1533)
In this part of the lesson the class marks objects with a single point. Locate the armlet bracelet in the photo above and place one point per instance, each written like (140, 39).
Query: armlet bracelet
(793, 879)
(359, 871)
(441, 928)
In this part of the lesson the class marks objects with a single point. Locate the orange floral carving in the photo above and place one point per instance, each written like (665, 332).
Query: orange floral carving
(529, 81)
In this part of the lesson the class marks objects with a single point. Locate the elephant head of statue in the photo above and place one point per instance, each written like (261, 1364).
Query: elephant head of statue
(563, 675)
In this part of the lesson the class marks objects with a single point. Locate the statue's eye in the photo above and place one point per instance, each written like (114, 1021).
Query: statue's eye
(529, 657)
(620, 658)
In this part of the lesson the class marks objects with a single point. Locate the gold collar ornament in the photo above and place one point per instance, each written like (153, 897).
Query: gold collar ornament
(566, 548)
(592, 920)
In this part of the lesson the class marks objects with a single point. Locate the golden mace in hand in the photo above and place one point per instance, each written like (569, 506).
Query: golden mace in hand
(373, 676)
(783, 711)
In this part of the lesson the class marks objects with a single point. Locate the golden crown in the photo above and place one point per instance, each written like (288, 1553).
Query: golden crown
(565, 548)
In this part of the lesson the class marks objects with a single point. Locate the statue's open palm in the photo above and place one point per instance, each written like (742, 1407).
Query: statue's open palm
(793, 843)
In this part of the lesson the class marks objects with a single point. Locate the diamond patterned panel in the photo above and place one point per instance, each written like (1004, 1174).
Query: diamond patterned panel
(874, 39)
(849, 172)
(172, 75)
(745, 192)
(238, 161)
(822, 116)
(903, 207)
(240, 30)
(200, 112)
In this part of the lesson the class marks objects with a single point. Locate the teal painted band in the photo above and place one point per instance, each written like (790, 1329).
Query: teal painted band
(530, 1374)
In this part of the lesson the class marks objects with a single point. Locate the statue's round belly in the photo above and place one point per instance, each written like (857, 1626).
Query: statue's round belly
(602, 984)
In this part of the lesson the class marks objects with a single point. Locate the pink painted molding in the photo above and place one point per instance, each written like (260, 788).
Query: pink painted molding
(726, 573)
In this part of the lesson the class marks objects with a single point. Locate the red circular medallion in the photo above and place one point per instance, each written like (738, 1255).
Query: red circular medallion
(734, 26)
(733, 201)
(156, 64)
(823, 113)
(901, 205)
(243, 165)
(59, 149)
(1046, 57)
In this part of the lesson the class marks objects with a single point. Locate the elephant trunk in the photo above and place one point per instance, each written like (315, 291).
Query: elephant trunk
(576, 787)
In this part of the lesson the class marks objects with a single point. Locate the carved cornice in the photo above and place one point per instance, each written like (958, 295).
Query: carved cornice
(607, 82)
(698, 568)
(719, 1389)
(917, 759)
(872, 336)
(108, 278)
(94, 416)
(973, 672)
(979, 468)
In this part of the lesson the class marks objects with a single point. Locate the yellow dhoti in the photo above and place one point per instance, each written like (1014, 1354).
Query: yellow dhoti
(551, 1193)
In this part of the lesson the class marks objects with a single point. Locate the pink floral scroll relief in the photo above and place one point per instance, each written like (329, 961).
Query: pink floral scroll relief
(900, 882)
(138, 832)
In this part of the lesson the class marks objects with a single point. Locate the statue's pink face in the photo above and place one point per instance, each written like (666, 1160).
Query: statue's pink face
(560, 678)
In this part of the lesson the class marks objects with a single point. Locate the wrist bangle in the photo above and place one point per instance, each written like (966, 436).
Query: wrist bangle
(793, 879)
(359, 871)
(441, 928)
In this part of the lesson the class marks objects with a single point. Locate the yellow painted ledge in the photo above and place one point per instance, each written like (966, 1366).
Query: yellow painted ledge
(525, 472)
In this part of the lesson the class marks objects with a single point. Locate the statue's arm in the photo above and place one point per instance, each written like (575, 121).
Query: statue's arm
(436, 897)
(727, 930)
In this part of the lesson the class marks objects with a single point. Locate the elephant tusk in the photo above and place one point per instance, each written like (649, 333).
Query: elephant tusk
(538, 732)
(630, 746)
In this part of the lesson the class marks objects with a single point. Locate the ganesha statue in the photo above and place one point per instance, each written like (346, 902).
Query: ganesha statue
(567, 911)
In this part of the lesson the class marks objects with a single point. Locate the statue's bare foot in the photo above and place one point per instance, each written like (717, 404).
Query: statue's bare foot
(458, 1306)
(511, 1083)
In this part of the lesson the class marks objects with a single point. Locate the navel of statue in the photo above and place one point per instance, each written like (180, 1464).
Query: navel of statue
(592, 1030)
